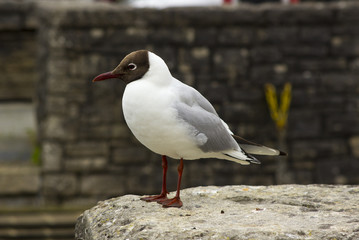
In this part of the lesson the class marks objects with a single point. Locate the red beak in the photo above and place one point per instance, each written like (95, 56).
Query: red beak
(104, 76)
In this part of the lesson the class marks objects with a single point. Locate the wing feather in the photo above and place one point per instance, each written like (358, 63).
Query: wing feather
(197, 111)
(255, 148)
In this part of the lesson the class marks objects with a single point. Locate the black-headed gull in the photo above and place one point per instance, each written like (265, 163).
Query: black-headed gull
(173, 119)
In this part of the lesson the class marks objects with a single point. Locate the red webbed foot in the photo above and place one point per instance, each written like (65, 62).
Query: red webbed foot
(155, 198)
(172, 202)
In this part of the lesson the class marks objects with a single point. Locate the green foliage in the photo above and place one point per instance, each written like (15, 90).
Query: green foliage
(36, 150)
(36, 155)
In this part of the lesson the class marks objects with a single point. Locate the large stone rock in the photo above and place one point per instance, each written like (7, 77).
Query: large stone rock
(231, 212)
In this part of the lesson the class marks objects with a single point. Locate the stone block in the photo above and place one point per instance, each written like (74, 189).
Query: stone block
(339, 82)
(181, 36)
(313, 65)
(304, 124)
(345, 124)
(230, 63)
(345, 29)
(120, 131)
(304, 176)
(65, 15)
(23, 11)
(81, 76)
(341, 170)
(300, 50)
(246, 94)
(104, 95)
(216, 93)
(10, 21)
(86, 148)
(146, 178)
(303, 94)
(55, 127)
(344, 46)
(243, 15)
(103, 185)
(303, 165)
(55, 84)
(235, 36)
(315, 34)
(354, 145)
(56, 105)
(264, 73)
(17, 64)
(242, 112)
(85, 164)
(195, 60)
(266, 54)
(99, 132)
(130, 35)
(205, 37)
(195, 17)
(304, 13)
(318, 148)
(55, 185)
(328, 104)
(277, 34)
(51, 156)
(199, 173)
(130, 155)
(354, 65)
(348, 13)
(168, 53)
(352, 103)
(19, 179)
(53, 67)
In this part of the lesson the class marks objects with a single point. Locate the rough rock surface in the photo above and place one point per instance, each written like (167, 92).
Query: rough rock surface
(231, 212)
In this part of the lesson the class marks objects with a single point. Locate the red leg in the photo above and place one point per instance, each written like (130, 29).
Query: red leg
(176, 201)
(163, 194)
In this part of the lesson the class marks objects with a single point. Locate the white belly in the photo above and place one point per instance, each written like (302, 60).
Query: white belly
(150, 116)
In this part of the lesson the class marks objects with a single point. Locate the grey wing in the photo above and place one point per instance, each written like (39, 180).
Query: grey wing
(191, 97)
(207, 127)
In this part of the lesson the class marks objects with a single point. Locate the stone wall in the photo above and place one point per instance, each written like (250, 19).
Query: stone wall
(228, 54)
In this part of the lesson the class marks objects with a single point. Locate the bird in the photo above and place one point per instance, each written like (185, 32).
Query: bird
(174, 120)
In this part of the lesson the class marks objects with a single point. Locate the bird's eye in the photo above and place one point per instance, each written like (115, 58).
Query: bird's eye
(132, 66)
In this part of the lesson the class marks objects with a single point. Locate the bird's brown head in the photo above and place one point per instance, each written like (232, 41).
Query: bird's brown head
(131, 68)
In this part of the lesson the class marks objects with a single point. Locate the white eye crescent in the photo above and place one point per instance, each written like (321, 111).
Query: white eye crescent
(132, 66)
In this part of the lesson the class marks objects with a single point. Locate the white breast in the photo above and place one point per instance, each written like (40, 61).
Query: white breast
(149, 114)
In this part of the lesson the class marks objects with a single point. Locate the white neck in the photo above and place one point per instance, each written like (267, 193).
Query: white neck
(158, 72)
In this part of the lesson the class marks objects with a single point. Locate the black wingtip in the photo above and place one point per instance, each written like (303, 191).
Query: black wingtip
(282, 153)
(256, 161)
(252, 159)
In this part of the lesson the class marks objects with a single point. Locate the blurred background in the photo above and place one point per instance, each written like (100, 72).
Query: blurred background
(283, 74)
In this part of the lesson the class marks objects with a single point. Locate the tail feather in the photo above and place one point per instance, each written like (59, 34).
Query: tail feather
(257, 149)
(242, 157)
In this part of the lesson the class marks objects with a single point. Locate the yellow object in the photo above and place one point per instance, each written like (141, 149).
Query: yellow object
(279, 114)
